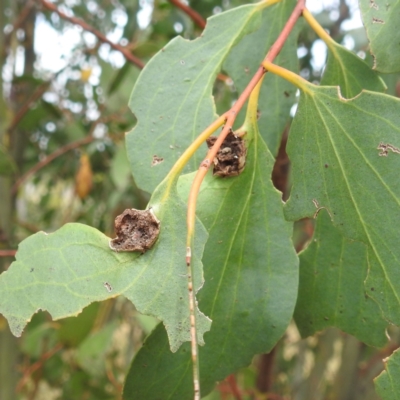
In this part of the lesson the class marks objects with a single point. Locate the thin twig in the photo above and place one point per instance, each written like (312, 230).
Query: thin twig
(231, 379)
(22, 16)
(194, 15)
(36, 95)
(35, 366)
(51, 157)
(8, 253)
(77, 21)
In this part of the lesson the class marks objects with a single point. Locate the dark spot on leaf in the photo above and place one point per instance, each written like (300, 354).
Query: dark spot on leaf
(107, 286)
(372, 289)
(156, 160)
(287, 94)
(136, 230)
(377, 21)
(32, 269)
(326, 165)
(326, 318)
(231, 157)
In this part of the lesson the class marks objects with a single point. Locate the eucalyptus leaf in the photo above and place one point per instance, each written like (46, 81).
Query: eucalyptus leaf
(381, 20)
(251, 279)
(331, 287)
(345, 159)
(172, 98)
(387, 384)
(350, 72)
(67, 270)
(333, 268)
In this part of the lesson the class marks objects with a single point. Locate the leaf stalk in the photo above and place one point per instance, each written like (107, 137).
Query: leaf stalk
(229, 118)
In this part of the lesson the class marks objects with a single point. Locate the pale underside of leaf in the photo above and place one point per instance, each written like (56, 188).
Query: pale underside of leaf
(67, 270)
(172, 98)
(381, 20)
(251, 277)
(337, 164)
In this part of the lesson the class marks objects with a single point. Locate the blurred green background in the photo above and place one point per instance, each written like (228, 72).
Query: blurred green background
(63, 116)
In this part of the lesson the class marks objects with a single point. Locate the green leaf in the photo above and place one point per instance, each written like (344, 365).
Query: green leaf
(381, 20)
(331, 287)
(65, 271)
(172, 98)
(334, 147)
(277, 96)
(333, 269)
(350, 72)
(251, 278)
(387, 384)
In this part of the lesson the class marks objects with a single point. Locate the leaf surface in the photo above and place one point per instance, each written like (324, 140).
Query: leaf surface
(331, 287)
(387, 384)
(381, 20)
(350, 72)
(67, 270)
(333, 268)
(251, 278)
(172, 98)
(277, 96)
(336, 162)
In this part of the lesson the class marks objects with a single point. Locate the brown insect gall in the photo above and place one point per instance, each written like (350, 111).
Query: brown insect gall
(136, 230)
(231, 157)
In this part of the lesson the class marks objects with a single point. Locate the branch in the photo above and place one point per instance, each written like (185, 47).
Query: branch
(35, 366)
(76, 21)
(8, 253)
(231, 379)
(51, 157)
(36, 95)
(194, 15)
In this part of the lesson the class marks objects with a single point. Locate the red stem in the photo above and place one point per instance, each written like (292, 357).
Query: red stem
(233, 112)
(231, 379)
(76, 21)
(35, 366)
(8, 253)
(194, 15)
(273, 52)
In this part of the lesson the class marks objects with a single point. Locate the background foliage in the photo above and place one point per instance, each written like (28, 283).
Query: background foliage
(77, 107)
